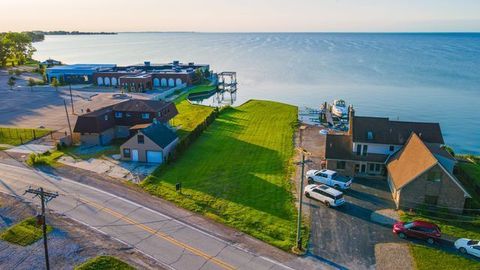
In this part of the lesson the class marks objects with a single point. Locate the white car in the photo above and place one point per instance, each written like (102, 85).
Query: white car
(329, 178)
(468, 246)
(325, 194)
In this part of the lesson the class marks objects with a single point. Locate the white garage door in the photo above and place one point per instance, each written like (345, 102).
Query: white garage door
(154, 157)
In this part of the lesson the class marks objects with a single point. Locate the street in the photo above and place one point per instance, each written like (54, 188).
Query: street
(168, 240)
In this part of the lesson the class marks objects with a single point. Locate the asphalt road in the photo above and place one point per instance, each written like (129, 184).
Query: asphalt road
(175, 244)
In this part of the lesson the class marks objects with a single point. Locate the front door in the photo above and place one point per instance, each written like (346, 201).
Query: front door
(134, 155)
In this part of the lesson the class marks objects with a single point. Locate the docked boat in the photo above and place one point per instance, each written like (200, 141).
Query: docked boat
(339, 108)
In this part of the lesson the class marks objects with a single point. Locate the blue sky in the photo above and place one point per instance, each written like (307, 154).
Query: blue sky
(241, 15)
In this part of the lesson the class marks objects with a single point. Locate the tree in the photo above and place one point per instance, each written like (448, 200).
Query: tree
(11, 82)
(55, 83)
(31, 83)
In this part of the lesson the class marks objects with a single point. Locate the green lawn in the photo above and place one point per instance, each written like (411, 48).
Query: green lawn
(190, 116)
(24, 233)
(193, 90)
(104, 263)
(237, 172)
(15, 136)
(432, 258)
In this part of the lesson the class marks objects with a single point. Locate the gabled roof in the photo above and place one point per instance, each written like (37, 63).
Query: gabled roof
(141, 105)
(411, 161)
(160, 134)
(384, 131)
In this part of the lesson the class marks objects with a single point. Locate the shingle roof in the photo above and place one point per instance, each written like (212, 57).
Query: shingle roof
(385, 131)
(140, 105)
(160, 134)
(411, 161)
(341, 147)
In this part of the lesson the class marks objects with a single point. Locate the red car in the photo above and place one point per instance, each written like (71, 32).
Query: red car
(418, 229)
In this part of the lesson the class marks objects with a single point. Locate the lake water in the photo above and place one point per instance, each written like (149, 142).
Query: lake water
(410, 77)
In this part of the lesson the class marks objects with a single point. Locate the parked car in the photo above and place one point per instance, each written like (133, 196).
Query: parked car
(418, 229)
(468, 246)
(325, 194)
(329, 178)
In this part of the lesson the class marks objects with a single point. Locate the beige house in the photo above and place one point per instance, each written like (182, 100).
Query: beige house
(422, 174)
(152, 144)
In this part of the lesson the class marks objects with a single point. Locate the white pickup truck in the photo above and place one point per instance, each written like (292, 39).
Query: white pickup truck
(329, 178)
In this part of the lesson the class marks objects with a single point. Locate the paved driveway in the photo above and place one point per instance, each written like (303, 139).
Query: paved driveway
(346, 237)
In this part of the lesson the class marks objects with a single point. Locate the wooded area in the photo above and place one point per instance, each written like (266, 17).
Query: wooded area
(15, 48)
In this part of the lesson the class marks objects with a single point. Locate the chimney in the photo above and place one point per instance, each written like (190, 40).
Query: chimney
(351, 115)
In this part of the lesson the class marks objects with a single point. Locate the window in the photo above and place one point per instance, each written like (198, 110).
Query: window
(432, 200)
(126, 152)
(359, 149)
(159, 114)
(434, 176)
(371, 167)
(365, 148)
(140, 139)
(392, 148)
(106, 117)
(145, 116)
(370, 135)
(128, 115)
(378, 167)
(341, 165)
(118, 114)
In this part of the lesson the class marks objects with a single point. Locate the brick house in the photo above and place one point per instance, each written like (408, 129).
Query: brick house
(422, 174)
(100, 127)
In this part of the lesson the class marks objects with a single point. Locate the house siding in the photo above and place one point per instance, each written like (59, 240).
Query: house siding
(449, 194)
(148, 145)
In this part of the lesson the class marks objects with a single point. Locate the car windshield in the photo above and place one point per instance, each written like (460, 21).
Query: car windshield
(472, 242)
(339, 197)
(334, 175)
(408, 225)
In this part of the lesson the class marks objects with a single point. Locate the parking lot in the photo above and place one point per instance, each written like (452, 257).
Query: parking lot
(346, 236)
(44, 105)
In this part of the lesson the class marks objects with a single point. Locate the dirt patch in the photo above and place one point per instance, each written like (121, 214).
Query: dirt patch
(69, 244)
(393, 256)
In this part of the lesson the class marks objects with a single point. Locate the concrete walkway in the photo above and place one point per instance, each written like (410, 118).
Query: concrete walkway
(129, 171)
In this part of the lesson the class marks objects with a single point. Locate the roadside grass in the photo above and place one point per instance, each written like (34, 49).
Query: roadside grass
(46, 159)
(17, 136)
(104, 263)
(431, 258)
(24, 233)
(237, 172)
(455, 225)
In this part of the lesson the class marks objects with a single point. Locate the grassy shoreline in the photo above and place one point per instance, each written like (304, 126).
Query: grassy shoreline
(237, 172)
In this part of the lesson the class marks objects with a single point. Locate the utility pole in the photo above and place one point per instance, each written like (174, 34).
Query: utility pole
(300, 195)
(68, 120)
(71, 98)
(45, 197)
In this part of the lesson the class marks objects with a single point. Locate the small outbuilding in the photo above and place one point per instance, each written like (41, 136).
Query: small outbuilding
(152, 144)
